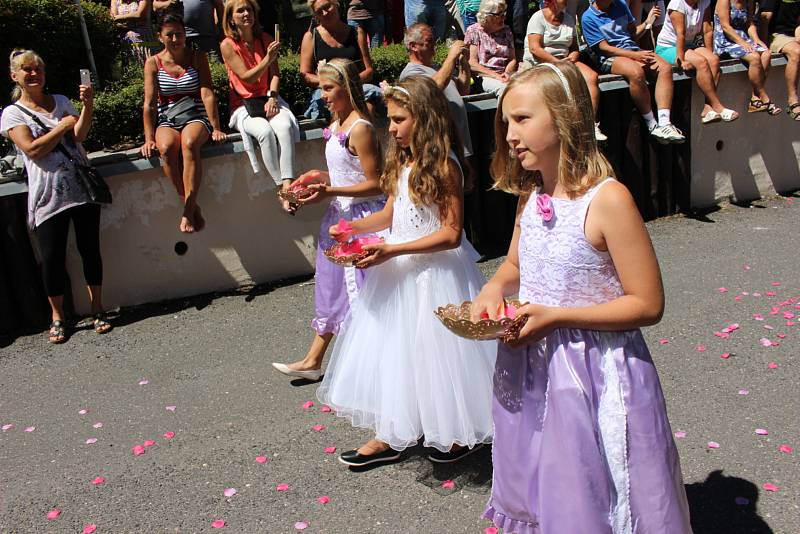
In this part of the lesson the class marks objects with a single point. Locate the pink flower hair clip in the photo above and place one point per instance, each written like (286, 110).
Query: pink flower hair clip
(544, 207)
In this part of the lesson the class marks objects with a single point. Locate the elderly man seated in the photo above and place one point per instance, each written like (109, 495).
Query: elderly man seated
(453, 76)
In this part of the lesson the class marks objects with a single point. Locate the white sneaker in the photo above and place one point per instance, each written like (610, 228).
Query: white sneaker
(667, 134)
(600, 136)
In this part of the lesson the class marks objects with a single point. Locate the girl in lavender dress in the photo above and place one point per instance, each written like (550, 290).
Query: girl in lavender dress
(353, 158)
(582, 441)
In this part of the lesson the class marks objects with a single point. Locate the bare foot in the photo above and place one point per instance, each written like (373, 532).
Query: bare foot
(186, 226)
(302, 366)
(373, 446)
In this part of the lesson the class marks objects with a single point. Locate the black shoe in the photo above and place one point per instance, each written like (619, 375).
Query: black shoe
(355, 459)
(453, 456)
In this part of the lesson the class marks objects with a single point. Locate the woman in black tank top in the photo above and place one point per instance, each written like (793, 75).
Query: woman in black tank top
(332, 38)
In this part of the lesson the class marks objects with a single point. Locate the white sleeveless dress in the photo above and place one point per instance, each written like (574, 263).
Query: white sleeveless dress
(395, 369)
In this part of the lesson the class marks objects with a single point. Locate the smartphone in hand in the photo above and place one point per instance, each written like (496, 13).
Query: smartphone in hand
(86, 77)
(277, 33)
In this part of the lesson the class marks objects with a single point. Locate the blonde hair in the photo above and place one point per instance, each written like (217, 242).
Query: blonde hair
(229, 27)
(490, 6)
(433, 137)
(344, 73)
(18, 58)
(581, 164)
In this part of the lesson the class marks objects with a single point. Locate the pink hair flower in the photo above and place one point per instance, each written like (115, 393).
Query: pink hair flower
(544, 207)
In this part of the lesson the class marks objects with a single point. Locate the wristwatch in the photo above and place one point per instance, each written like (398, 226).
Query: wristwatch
(273, 94)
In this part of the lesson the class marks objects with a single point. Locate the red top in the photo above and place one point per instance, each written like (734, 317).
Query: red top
(239, 88)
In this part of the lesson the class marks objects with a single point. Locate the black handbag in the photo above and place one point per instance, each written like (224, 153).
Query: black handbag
(88, 177)
(255, 106)
(183, 111)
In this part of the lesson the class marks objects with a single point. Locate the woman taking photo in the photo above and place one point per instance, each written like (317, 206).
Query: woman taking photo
(332, 39)
(257, 110)
(48, 131)
(178, 79)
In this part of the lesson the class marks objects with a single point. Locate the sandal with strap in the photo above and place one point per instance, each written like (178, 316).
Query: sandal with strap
(101, 325)
(58, 332)
(756, 105)
(793, 111)
(772, 109)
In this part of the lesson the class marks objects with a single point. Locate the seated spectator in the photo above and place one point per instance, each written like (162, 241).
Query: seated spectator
(257, 109)
(491, 46)
(551, 37)
(331, 39)
(681, 43)
(736, 36)
(786, 40)
(178, 80)
(610, 29)
(453, 76)
(431, 12)
(368, 15)
(48, 131)
(200, 18)
(132, 17)
(469, 11)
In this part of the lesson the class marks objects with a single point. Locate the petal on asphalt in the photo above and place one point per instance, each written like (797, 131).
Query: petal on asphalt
(169, 435)
(170, 408)
(218, 523)
(663, 341)
(324, 499)
(149, 443)
(138, 450)
(772, 365)
(325, 409)
(7, 427)
(53, 514)
(769, 486)
(723, 290)
(98, 481)
(701, 348)
(30, 428)
(301, 525)
(786, 449)
(97, 425)
(282, 487)
(448, 484)
(330, 450)
(91, 441)
(680, 434)
(762, 432)
(261, 459)
(713, 445)
(308, 404)
(744, 392)
(88, 529)
(143, 382)
(318, 428)
(229, 492)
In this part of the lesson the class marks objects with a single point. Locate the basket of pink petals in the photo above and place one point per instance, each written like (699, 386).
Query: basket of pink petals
(456, 318)
(295, 193)
(349, 253)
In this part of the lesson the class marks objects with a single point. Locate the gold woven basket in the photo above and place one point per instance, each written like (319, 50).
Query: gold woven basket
(295, 196)
(456, 318)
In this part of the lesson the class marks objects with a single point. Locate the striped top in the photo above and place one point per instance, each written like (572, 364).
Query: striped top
(173, 88)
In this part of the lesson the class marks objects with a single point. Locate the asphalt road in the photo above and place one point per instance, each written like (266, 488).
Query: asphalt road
(209, 358)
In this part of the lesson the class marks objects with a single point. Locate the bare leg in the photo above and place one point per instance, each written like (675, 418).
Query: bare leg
(194, 135)
(663, 83)
(373, 446)
(168, 142)
(705, 80)
(315, 354)
(633, 72)
(755, 74)
(792, 51)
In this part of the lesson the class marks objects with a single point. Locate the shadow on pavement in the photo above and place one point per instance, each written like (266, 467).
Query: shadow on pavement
(725, 505)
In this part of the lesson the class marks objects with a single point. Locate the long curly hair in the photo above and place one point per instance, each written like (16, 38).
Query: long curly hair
(581, 164)
(433, 137)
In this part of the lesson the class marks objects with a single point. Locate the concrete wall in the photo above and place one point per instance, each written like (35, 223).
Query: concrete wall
(753, 156)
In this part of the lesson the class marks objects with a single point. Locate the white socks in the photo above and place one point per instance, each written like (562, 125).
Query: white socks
(663, 117)
(650, 120)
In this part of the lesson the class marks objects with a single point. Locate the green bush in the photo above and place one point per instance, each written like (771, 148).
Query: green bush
(52, 28)
(118, 109)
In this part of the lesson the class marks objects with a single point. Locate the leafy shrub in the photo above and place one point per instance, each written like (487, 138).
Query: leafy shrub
(52, 29)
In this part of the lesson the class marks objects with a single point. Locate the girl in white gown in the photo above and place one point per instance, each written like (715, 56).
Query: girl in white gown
(395, 369)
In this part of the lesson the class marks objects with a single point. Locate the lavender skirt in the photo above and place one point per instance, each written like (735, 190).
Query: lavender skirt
(335, 286)
(582, 443)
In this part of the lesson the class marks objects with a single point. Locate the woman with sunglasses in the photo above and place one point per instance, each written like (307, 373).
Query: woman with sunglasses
(491, 46)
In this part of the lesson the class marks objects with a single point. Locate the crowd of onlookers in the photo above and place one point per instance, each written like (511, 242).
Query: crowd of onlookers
(488, 42)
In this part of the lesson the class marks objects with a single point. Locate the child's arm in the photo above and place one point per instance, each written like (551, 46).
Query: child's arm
(613, 219)
(447, 237)
(505, 281)
(372, 223)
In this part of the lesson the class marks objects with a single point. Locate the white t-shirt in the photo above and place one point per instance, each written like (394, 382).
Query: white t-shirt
(693, 20)
(556, 40)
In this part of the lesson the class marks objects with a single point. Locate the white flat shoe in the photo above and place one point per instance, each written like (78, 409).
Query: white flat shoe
(313, 375)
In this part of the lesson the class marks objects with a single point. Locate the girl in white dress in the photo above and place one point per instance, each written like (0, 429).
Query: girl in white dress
(395, 369)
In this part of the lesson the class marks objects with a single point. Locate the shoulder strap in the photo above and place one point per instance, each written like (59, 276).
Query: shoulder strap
(60, 147)
(587, 198)
(356, 122)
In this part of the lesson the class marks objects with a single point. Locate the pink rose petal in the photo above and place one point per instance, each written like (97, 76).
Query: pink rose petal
(787, 449)
(772, 365)
(138, 450)
(53, 514)
(218, 523)
(762, 432)
(261, 459)
(318, 428)
(143, 382)
(490, 530)
(149, 443)
(723, 290)
(769, 486)
(769, 327)
(756, 294)
(98, 425)
(790, 323)
(170, 408)
(88, 529)
(723, 335)
(91, 441)
(324, 499)
(746, 267)
(680, 434)
(448, 484)
(770, 293)
(663, 341)
(765, 342)
(330, 450)
(282, 487)
(737, 297)
(744, 392)
(781, 335)
(30, 428)
(7, 427)
(325, 409)
(725, 355)
(169, 435)
(701, 348)
(98, 481)
(308, 404)
(229, 492)
(301, 525)
(775, 284)
(713, 445)
(83, 412)
(758, 317)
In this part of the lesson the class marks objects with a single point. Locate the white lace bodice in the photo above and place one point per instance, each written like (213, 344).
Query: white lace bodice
(558, 267)
(409, 221)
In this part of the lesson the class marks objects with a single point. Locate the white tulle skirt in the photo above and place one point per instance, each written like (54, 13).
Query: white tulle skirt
(397, 370)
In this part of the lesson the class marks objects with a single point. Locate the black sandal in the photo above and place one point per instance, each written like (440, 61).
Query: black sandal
(58, 332)
(101, 325)
(794, 115)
